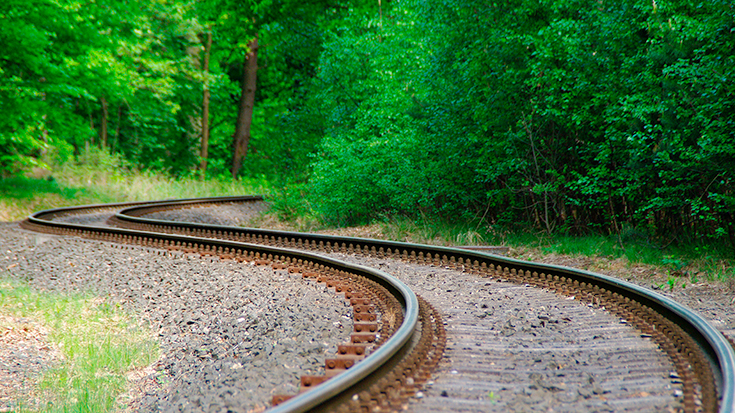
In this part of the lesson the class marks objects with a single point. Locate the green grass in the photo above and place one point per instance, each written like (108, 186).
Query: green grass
(98, 177)
(702, 259)
(708, 259)
(21, 196)
(99, 346)
(23, 188)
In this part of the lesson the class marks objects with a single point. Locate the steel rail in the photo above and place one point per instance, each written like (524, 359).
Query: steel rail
(713, 344)
(346, 382)
(49, 214)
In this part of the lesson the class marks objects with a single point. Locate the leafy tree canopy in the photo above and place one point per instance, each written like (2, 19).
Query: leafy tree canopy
(563, 115)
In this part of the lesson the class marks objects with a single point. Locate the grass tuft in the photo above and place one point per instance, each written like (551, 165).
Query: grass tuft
(96, 343)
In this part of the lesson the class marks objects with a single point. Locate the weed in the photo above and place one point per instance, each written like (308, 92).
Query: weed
(672, 282)
(98, 343)
(289, 203)
(676, 263)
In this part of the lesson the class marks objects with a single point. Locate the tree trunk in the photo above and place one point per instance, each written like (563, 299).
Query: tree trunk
(117, 129)
(103, 129)
(44, 131)
(205, 106)
(245, 112)
(91, 124)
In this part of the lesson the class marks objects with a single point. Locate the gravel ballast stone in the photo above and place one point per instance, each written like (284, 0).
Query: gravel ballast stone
(231, 334)
(514, 347)
(533, 331)
(530, 319)
(230, 214)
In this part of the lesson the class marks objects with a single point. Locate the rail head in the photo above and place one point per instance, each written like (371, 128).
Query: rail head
(346, 381)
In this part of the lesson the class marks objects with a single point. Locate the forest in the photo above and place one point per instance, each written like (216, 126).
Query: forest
(608, 117)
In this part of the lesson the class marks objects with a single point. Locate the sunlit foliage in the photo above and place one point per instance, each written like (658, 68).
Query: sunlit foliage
(605, 117)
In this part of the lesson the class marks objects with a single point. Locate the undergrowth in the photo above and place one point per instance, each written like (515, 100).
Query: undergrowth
(695, 259)
(99, 177)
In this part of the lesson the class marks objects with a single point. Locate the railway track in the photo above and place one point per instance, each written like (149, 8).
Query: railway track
(409, 337)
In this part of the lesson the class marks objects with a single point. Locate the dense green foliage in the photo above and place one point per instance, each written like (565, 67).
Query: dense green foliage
(63, 61)
(603, 117)
(68, 67)
(615, 118)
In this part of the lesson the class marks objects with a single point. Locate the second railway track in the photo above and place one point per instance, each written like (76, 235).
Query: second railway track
(701, 360)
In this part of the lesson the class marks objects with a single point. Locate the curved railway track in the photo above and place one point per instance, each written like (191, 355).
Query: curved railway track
(407, 332)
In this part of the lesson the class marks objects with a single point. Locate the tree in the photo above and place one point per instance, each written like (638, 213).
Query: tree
(552, 113)
(241, 139)
(65, 65)
(204, 153)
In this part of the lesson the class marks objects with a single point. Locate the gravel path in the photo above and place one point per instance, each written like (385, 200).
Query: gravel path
(235, 215)
(231, 334)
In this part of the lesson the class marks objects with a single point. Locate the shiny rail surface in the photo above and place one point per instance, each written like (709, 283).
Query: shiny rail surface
(703, 357)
